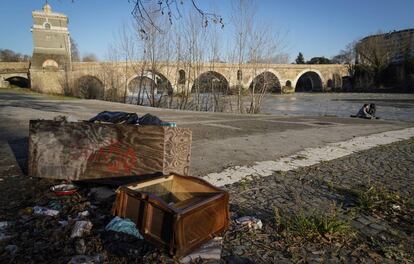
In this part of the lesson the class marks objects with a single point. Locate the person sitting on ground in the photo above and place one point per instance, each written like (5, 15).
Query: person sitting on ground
(372, 110)
(363, 112)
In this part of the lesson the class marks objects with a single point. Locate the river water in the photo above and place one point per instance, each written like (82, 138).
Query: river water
(389, 106)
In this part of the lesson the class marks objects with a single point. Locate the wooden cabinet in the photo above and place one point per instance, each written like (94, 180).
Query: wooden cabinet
(176, 212)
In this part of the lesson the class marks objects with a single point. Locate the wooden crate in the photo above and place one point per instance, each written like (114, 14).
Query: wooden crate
(176, 212)
(86, 151)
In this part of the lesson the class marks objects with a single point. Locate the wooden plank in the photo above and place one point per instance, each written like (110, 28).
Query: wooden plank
(83, 150)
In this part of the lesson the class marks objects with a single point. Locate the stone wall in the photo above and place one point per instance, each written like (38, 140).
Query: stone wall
(51, 82)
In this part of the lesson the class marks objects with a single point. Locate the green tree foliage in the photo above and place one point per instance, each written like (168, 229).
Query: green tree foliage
(300, 59)
(319, 60)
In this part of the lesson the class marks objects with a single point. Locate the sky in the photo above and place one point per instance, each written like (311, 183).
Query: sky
(315, 28)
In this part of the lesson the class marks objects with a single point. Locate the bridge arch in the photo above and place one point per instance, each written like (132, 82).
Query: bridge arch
(262, 71)
(210, 81)
(309, 81)
(143, 85)
(18, 81)
(89, 87)
(267, 81)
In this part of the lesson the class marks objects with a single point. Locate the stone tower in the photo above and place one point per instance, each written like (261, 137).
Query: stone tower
(51, 42)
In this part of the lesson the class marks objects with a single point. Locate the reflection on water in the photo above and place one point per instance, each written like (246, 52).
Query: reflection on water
(389, 106)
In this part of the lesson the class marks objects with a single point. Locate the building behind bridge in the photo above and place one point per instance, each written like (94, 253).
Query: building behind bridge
(396, 45)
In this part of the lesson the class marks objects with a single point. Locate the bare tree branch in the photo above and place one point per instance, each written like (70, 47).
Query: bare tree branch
(144, 12)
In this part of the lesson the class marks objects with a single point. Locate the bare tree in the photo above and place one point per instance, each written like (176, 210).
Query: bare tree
(373, 56)
(110, 76)
(217, 91)
(7, 55)
(193, 40)
(127, 48)
(144, 13)
(256, 44)
(155, 48)
(263, 46)
(74, 50)
(347, 57)
(243, 12)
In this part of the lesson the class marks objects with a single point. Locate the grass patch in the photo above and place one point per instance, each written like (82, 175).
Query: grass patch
(312, 225)
(384, 204)
(374, 198)
(245, 183)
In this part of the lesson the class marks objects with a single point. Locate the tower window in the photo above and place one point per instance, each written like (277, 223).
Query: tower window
(47, 26)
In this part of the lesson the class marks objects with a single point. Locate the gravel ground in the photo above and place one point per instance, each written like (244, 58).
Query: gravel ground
(383, 233)
(364, 200)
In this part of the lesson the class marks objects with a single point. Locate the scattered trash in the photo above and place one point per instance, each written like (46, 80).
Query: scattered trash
(83, 259)
(4, 237)
(149, 119)
(396, 207)
(12, 249)
(55, 205)
(83, 214)
(64, 189)
(169, 124)
(80, 246)
(101, 193)
(238, 260)
(4, 225)
(81, 228)
(250, 221)
(38, 210)
(63, 223)
(27, 211)
(115, 117)
(209, 251)
(118, 224)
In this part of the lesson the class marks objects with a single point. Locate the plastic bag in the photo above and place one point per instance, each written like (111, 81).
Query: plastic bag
(118, 224)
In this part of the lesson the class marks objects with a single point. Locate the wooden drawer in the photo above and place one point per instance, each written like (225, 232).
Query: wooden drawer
(177, 212)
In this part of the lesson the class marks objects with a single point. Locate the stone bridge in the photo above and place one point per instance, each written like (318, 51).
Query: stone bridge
(178, 75)
(14, 73)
